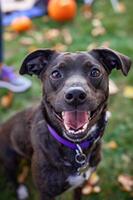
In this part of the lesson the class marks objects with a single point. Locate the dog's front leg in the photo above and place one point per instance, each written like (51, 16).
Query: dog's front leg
(49, 180)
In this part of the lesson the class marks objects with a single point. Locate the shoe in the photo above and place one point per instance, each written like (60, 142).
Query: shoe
(12, 81)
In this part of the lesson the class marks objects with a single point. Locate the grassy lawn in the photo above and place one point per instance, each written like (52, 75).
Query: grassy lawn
(119, 34)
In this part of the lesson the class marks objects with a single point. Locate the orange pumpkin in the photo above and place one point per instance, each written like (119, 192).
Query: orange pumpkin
(62, 10)
(21, 24)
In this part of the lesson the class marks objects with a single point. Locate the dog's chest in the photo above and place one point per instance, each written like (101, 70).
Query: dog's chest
(77, 180)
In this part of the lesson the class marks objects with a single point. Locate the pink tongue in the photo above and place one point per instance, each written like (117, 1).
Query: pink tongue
(75, 119)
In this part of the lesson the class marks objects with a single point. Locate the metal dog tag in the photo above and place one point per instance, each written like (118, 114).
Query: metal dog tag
(81, 159)
(83, 169)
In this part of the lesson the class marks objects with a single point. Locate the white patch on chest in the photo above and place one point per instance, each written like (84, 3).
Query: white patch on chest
(77, 180)
(22, 192)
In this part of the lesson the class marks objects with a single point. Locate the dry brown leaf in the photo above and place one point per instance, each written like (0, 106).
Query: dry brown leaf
(26, 41)
(128, 92)
(52, 34)
(6, 101)
(87, 11)
(38, 36)
(9, 36)
(60, 47)
(105, 44)
(111, 145)
(34, 34)
(67, 36)
(121, 8)
(91, 185)
(87, 189)
(92, 46)
(32, 48)
(96, 23)
(96, 189)
(126, 182)
(98, 31)
(94, 179)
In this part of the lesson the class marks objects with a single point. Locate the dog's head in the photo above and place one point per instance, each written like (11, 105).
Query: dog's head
(75, 86)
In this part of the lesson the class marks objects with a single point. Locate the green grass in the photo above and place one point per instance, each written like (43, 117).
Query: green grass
(119, 34)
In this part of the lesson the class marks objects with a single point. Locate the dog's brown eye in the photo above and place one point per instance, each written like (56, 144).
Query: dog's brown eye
(56, 74)
(95, 73)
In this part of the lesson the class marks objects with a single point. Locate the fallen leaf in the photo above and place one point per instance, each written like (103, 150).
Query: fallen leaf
(67, 36)
(111, 145)
(128, 92)
(87, 189)
(32, 48)
(38, 36)
(94, 179)
(60, 47)
(96, 189)
(96, 23)
(121, 8)
(105, 44)
(52, 34)
(91, 185)
(26, 41)
(87, 11)
(92, 46)
(126, 182)
(6, 101)
(98, 31)
(9, 36)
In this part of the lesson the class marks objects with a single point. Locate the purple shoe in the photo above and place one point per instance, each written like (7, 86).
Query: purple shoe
(13, 82)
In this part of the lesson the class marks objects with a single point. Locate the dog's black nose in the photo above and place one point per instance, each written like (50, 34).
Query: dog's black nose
(75, 96)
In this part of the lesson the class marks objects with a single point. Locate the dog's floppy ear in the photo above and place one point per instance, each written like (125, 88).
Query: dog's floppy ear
(111, 59)
(36, 62)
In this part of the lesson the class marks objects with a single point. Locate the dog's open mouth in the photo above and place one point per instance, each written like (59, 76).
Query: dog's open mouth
(75, 123)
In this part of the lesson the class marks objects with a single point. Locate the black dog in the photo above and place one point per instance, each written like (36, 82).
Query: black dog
(62, 136)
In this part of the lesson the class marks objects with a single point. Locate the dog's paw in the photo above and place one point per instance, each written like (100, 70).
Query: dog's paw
(22, 192)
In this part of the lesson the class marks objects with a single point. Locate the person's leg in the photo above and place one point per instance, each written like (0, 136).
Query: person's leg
(89, 2)
(8, 78)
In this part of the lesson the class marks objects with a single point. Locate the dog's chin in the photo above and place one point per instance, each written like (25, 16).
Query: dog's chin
(76, 125)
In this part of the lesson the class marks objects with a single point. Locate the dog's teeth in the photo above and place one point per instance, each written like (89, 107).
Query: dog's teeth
(78, 132)
(63, 114)
(85, 126)
(71, 131)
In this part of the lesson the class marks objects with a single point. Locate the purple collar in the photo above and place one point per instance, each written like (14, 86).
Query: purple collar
(84, 145)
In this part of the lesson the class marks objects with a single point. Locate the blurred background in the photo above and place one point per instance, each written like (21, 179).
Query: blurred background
(68, 25)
